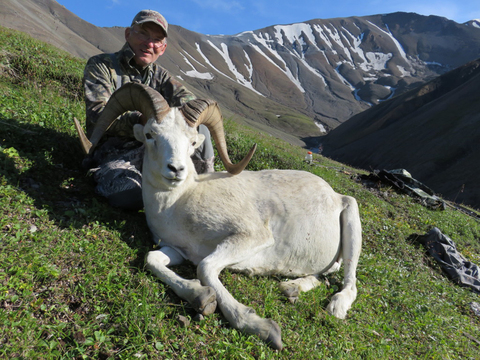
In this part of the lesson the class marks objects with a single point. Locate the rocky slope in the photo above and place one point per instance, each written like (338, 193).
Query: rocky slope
(433, 131)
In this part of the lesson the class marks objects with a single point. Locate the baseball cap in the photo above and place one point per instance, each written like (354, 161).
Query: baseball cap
(151, 16)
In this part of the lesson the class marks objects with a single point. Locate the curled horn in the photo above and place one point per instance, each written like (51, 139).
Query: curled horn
(207, 112)
(130, 97)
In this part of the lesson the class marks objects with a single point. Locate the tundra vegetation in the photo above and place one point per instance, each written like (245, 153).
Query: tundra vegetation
(72, 278)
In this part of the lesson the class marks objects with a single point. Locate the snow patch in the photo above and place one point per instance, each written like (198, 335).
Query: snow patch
(324, 36)
(355, 43)
(194, 72)
(434, 63)
(296, 33)
(198, 75)
(321, 127)
(286, 70)
(395, 41)
(377, 61)
(240, 79)
(403, 71)
(476, 23)
(197, 45)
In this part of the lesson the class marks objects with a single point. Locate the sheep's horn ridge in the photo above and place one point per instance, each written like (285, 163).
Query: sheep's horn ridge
(130, 97)
(207, 112)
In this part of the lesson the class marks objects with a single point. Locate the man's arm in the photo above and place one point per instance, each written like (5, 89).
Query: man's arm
(99, 84)
(172, 90)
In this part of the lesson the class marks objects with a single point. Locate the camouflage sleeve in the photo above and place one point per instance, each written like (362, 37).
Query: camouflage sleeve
(99, 84)
(172, 90)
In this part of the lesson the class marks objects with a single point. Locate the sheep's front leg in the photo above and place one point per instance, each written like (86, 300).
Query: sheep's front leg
(202, 298)
(233, 251)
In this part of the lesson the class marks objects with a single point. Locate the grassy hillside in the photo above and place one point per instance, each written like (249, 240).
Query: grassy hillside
(72, 281)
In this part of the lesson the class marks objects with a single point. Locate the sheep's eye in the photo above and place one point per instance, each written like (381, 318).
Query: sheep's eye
(148, 136)
(194, 143)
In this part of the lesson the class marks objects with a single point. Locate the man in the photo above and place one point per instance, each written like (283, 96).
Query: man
(117, 161)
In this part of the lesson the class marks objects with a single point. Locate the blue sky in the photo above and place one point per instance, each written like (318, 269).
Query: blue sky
(230, 17)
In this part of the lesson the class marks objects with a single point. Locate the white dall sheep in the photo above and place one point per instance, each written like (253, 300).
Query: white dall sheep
(282, 222)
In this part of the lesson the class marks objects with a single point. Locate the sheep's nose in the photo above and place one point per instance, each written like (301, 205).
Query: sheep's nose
(176, 169)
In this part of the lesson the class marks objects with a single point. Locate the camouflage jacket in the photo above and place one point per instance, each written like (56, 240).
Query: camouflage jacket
(104, 73)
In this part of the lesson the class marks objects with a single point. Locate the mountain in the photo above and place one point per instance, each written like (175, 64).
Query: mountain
(294, 81)
(51, 22)
(433, 131)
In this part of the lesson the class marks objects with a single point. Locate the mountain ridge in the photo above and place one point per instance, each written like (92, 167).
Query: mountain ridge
(320, 72)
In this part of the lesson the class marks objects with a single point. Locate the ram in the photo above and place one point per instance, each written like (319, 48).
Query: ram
(284, 222)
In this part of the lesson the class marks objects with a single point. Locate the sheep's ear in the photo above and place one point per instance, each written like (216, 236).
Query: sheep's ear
(138, 132)
(199, 139)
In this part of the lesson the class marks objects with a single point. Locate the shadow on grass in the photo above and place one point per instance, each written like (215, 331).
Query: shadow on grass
(46, 165)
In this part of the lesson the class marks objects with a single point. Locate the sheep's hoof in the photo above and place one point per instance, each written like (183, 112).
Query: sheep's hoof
(274, 338)
(338, 306)
(292, 299)
(205, 302)
(209, 308)
(289, 289)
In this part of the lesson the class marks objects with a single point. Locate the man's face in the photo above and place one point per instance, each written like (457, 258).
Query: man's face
(147, 42)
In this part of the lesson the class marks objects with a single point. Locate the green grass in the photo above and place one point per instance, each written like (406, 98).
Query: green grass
(72, 281)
